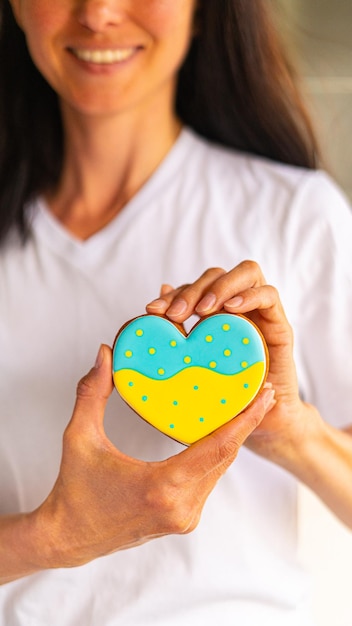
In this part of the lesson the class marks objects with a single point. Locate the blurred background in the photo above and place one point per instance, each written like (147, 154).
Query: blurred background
(318, 33)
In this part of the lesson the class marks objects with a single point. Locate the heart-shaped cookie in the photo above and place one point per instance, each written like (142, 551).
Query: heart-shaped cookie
(189, 385)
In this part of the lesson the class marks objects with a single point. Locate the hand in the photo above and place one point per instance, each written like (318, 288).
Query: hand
(244, 290)
(105, 501)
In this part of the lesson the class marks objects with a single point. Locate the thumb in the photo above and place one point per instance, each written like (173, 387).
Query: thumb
(218, 450)
(94, 389)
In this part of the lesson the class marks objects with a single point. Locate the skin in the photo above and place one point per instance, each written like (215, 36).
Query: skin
(132, 100)
(158, 32)
(104, 501)
(293, 434)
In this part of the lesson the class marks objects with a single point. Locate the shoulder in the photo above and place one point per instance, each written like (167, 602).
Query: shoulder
(276, 191)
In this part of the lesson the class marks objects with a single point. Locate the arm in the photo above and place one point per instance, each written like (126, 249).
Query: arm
(323, 461)
(293, 434)
(104, 501)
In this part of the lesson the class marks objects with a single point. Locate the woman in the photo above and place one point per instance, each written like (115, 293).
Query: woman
(106, 193)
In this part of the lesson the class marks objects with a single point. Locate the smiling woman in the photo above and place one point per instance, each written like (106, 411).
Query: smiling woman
(138, 46)
(147, 143)
(103, 56)
(70, 46)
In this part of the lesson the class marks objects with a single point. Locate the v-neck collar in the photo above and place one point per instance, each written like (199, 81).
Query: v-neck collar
(49, 231)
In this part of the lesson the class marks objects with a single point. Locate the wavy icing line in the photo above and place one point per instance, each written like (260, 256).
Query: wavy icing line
(153, 346)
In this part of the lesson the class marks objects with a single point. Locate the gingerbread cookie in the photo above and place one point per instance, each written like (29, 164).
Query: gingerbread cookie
(189, 385)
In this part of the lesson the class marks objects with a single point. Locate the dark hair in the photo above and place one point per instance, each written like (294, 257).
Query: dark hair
(30, 127)
(235, 87)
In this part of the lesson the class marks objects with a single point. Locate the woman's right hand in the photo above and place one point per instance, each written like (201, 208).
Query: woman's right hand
(104, 501)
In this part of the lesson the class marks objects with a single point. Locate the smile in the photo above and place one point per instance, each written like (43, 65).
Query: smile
(104, 57)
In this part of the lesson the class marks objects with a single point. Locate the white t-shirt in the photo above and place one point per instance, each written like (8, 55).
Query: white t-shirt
(60, 298)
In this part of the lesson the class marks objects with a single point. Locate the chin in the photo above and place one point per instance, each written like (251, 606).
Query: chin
(94, 107)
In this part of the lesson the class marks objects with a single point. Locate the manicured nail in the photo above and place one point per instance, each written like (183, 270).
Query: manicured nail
(159, 303)
(206, 303)
(268, 385)
(269, 399)
(234, 303)
(178, 307)
(100, 358)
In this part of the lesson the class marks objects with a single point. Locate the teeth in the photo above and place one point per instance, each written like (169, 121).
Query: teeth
(103, 56)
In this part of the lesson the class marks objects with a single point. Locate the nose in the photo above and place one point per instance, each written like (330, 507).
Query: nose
(97, 15)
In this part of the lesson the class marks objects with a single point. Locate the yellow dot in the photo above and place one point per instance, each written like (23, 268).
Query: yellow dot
(226, 327)
(139, 332)
(128, 353)
(245, 340)
(173, 343)
(161, 371)
(209, 338)
(227, 352)
(244, 364)
(187, 359)
(152, 351)
(212, 364)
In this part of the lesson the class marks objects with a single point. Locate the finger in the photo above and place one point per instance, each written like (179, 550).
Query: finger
(244, 276)
(267, 308)
(196, 470)
(161, 304)
(213, 454)
(199, 467)
(262, 298)
(182, 304)
(166, 288)
(93, 391)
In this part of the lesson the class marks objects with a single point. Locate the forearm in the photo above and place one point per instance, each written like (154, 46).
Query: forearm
(323, 462)
(23, 547)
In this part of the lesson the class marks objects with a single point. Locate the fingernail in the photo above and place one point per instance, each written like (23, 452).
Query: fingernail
(268, 385)
(206, 303)
(159, 303)
(100, 358)
(165, 288)
(178, 307)
(269, 399)
(234, 303)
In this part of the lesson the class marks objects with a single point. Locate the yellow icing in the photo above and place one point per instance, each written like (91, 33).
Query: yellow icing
(194, 402)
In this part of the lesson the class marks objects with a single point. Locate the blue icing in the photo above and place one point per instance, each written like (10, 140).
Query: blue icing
(153, 346)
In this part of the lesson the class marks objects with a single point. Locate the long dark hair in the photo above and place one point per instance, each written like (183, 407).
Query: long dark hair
(235, 87)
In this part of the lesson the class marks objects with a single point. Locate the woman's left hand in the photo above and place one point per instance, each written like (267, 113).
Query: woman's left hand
(244, 290)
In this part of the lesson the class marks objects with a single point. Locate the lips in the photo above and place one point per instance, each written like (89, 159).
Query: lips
(103, 57)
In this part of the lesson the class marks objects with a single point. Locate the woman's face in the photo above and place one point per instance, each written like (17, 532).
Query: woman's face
(104, 56)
